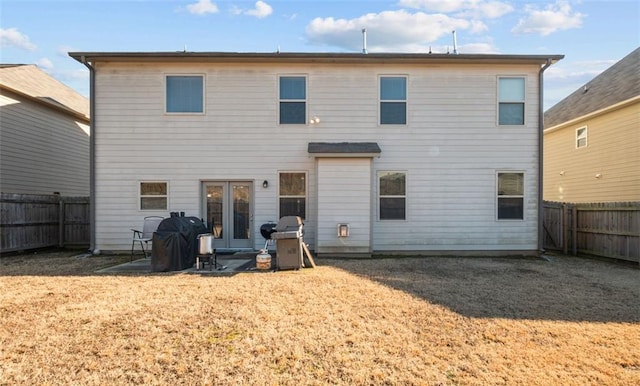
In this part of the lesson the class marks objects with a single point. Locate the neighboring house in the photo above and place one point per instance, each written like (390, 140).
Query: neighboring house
(44, 134)
(592, 139)
(417, 153)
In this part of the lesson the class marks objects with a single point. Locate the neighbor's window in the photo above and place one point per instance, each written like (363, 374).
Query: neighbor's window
(510, 196)
(185, 94)
(511, 97)
(581, 137)
(293, 194)
(153, 196)
(393, 195)
(393, 100)
(293, 100)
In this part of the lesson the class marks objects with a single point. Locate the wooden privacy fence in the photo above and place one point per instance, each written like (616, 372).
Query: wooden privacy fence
(35, 221)
(600, 229)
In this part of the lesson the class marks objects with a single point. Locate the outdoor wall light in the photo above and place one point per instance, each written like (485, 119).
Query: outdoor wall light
(343, 230)
(314, 120)
(598, 175)
(265, 184)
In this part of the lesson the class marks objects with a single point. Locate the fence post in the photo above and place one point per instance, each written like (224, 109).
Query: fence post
(60, 222)
(574, 230)
(565, 229)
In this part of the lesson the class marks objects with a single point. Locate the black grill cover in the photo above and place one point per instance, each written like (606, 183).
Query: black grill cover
(175, 243)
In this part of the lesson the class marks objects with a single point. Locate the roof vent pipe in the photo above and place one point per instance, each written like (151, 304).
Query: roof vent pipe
(364, 40)
(455, 43)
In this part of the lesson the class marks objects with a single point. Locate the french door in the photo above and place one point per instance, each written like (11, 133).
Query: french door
(229, 213)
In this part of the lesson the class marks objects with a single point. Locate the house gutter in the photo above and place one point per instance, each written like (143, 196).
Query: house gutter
(92, 156)
(540, 155)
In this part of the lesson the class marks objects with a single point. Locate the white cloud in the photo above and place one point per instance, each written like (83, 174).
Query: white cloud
(581, 71)
(479, 9)
(435, 5)
(45, 64)
(477, 48)
(202, 7)
(64, 50)
(397, 31)
(554, 17)
(11, 37)
(261, 10)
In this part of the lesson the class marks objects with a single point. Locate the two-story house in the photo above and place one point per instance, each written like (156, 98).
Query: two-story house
(44, 134)
(411, 153)
(592, 138)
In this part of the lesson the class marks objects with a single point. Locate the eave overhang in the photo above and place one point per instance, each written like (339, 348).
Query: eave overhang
(300, 57)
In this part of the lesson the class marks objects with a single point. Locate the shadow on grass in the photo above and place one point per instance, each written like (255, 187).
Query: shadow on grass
(560, 288)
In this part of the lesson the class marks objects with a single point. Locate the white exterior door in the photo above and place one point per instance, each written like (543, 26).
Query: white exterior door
(228, 211)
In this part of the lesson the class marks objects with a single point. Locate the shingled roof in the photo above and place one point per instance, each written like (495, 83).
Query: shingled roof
(618, 83)
(30, 81)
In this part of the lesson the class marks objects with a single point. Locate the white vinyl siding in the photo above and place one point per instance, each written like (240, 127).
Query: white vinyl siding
(42, 151)
(451, 152)
(344, 197)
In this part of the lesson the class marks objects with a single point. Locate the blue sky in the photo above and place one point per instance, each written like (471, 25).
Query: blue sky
(593, 35)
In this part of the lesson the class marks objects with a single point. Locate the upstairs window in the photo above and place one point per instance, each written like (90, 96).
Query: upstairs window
(581, 137)
(393, 195)
(293, 194)
(153, 195)
(393, 100)
(511, 97)
(293, 100)
(510, 196)
(184, 94)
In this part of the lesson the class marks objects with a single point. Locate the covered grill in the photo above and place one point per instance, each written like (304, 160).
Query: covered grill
(175, 243)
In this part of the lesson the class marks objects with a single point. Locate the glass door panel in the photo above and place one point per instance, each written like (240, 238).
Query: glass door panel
(214, 208)
(228, 211)
(241, 212)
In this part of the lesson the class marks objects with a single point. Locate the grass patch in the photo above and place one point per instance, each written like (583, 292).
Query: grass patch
(396, 321)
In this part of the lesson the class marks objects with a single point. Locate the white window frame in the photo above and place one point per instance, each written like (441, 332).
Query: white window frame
(141, 196)
(306, 100)
(584, 136)
(522, 196)
(306, 190)
(204, 89)
(406, 100)
(523, 101)
(406, 187)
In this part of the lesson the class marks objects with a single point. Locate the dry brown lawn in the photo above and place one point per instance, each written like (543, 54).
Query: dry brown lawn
(407, 321)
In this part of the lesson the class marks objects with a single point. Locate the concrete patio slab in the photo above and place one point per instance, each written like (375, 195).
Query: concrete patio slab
(241, 262)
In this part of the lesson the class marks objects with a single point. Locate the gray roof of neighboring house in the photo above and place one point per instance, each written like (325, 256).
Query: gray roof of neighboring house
(618, 83)
(30, 81)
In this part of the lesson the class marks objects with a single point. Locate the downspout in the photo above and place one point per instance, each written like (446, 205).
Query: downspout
(92, 156)
(540, 156)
